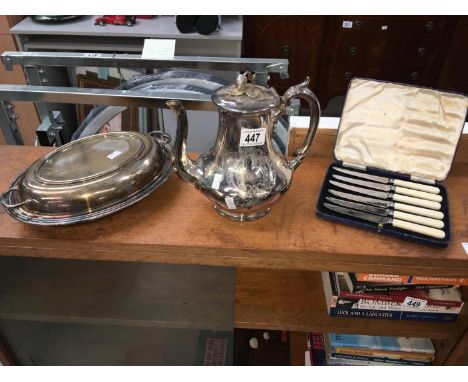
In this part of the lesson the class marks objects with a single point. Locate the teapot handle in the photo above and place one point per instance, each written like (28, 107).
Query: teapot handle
(303, 92)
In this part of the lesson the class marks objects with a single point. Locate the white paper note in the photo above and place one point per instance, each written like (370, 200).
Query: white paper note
(465, 247)
(412, 303)
(217, 181)
(230, 202)
(158, 48)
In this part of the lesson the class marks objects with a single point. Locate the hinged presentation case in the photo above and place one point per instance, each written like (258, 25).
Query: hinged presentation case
(397, 131)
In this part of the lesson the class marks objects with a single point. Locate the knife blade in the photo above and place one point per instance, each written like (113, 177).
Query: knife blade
(390, 188)
(383, 220)
(389, 195)
(389, 204)
(388, 212)
(396, 182)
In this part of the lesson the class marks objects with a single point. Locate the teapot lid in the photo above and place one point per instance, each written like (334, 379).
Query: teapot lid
(246, 98)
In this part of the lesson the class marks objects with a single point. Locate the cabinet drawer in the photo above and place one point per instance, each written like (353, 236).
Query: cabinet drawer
(421, 27)
(417, 51)
(411, 74)
(337, 80)
(363, 52)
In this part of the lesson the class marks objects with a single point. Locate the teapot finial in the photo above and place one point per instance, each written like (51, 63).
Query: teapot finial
(241, 83)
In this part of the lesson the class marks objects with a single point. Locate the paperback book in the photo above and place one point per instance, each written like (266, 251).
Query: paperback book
(398, 348)
(356, 286)
(385, 278)
(376, 347)
(442, 304)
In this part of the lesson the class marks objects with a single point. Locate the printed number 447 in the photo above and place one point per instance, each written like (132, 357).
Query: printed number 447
(252, 138)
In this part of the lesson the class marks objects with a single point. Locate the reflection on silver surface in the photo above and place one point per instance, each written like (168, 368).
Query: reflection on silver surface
(242, 177)
(89, 178)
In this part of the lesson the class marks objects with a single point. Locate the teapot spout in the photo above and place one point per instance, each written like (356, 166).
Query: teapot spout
(184, 166)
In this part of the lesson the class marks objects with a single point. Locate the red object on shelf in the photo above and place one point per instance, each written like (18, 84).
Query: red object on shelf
(115, 20)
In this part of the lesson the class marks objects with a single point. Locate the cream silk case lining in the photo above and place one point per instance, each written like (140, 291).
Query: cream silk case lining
(400, 128)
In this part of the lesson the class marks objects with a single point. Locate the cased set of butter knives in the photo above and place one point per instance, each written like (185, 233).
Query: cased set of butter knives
(394, 148)
(385, 202)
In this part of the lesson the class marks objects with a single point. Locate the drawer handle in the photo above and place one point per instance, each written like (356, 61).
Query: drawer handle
(358, 24)
(285, 50)
(422, 51)
(430, 26)
(348, 76)
(352, 51)
(414, 76)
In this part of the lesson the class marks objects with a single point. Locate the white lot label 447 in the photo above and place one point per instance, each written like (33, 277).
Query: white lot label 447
(252, 137)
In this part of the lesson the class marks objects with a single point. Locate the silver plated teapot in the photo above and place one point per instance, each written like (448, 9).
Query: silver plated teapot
(243, 174)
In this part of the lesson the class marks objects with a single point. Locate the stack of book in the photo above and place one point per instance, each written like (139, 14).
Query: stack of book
(393, 297)
(356, 350)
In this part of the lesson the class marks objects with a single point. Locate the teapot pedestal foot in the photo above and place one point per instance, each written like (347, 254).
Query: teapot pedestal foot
(241, 217)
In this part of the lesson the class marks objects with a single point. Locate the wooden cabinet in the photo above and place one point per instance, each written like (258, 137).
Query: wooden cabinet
(454, 74)
(334, 49)
(297, 38)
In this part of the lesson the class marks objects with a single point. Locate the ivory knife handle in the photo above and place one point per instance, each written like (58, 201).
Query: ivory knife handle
(437, 233)
(418, 211)
(418, 194)
(416, 186)
(416, 202)
(418, 219)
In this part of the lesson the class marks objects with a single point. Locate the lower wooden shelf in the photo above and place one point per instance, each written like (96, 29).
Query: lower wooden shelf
(294, 301)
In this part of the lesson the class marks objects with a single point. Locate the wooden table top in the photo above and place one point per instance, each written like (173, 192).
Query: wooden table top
(176, 224)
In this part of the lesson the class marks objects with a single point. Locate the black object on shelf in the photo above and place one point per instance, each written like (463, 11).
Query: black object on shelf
(55, 19)
(207, 24)
(204, 25)
(186, 24)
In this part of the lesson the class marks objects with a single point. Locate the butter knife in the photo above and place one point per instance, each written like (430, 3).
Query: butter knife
(383, 220)
(391, 188)
(389, 195)
(389, 204)
(395, 182)
(388, 212)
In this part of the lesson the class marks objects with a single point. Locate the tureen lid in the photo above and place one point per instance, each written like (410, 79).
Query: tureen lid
(246, 98)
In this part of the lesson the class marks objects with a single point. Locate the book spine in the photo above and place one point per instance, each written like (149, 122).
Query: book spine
(382, 353)
(397, 306)
(381, 278)
(423, 316)
(438, 280)
(318, 355)
(378, 359)
(365, 313)
(384, 278)
(398, 299)
(395, 288)
(392, 315)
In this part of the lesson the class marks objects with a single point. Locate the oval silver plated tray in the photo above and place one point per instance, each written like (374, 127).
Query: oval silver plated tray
(89, 178)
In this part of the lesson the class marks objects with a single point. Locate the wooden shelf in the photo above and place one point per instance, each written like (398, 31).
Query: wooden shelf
(277, 258)
(176, 224)
(297, 348)
(294, 301)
